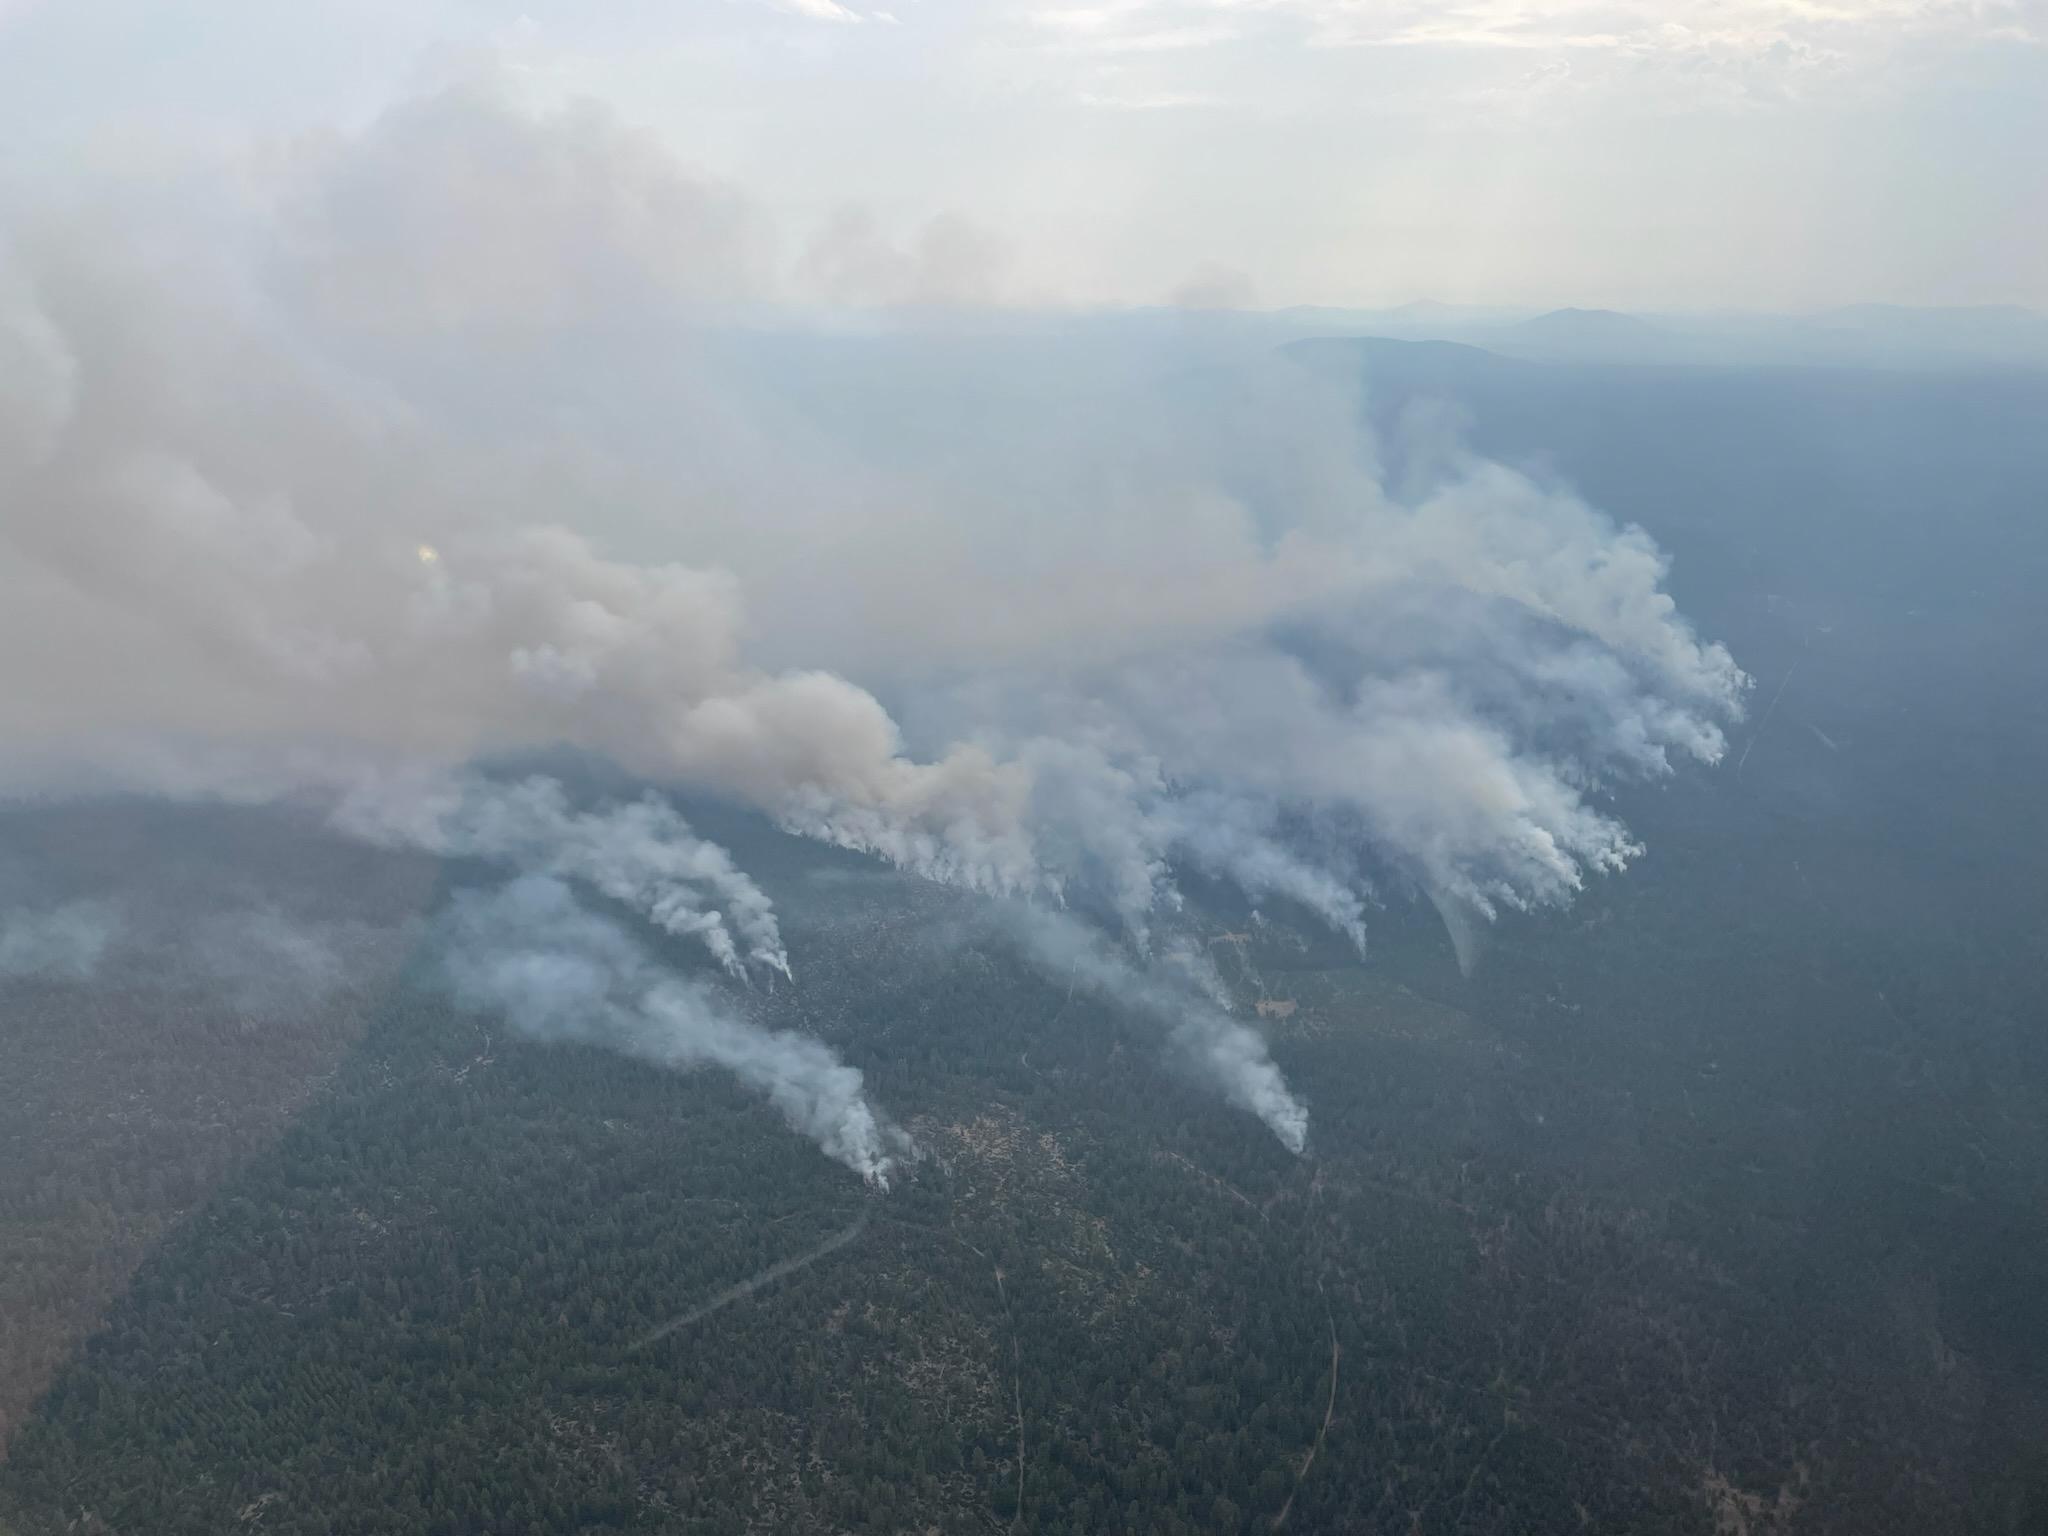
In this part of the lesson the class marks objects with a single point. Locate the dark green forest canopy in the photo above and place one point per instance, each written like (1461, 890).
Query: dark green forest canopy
(1567, 1264)
(1714, 1203)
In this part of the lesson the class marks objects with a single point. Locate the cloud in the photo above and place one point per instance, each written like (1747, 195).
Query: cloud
(1688, 25)
(819, 10)
(1704, 50)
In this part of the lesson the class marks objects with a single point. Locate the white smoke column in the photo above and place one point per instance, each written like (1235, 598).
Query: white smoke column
(61, 943)
(1231, 1055)
(556, 971)
(642, 853)
(1236, 838)
(1192, 960)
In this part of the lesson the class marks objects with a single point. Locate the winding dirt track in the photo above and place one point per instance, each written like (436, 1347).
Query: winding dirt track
(1016, 1386)
(1329, 1412)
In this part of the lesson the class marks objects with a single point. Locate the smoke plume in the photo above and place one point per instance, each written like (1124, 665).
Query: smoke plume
(459, 447)
(1230, 1055)
(557, 971)
(643, 854)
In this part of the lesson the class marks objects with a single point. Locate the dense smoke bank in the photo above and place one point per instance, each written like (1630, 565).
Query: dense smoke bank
(291, 513)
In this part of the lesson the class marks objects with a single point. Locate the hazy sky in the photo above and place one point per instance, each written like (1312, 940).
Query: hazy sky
(1694, 153)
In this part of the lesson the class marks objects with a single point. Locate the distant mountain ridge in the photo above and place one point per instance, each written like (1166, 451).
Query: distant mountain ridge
(1583, 335)
(1867, 336)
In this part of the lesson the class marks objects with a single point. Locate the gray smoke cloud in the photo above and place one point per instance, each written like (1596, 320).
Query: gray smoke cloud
(61, 943)
(643, 853)
(290, 497)
(556, 971)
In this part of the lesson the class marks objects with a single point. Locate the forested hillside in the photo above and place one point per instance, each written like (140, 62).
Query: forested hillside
(1486, 1299)
(1711, 1203)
